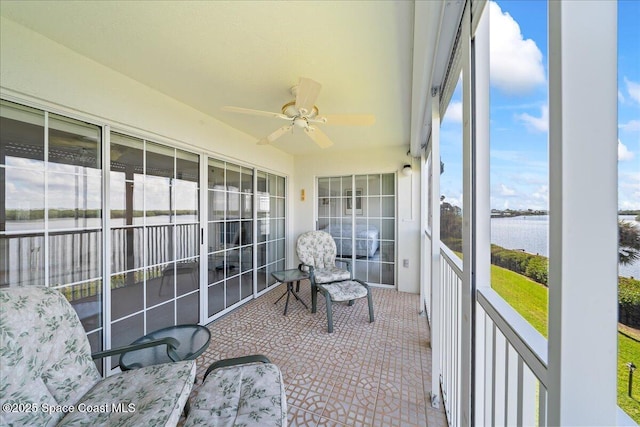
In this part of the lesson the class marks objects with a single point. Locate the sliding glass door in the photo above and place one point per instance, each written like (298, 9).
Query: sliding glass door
(154, 222)
(270, 231)
(230, 235)
(130, 247)
(51, 208)
(359, 213)
(246, 210)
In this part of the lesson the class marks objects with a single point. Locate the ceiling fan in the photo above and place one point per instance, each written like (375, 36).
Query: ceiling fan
(304, 114)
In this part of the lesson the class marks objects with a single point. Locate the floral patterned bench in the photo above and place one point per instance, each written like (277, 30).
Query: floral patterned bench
(244, 391)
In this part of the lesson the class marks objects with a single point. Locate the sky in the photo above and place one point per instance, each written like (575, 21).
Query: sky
(519, 110)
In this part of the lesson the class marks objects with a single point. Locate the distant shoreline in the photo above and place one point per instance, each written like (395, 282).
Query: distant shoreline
(515, 214)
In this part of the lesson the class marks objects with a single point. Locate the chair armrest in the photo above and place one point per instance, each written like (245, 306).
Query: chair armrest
(365, 284)
(255, 358)
(306, 268)
(171, 343)
(348, 262)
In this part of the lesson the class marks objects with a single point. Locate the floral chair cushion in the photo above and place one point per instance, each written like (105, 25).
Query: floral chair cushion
(45, 356)
(318, 250)
(331, 274)
(243, 395)
(345, 291)
(151, 396)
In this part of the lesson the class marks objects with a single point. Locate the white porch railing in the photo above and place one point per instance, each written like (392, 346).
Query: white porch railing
(450, 333)
(511, 356)
(513, 379)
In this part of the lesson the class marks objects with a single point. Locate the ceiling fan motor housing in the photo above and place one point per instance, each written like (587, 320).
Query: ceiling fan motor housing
(289, 109)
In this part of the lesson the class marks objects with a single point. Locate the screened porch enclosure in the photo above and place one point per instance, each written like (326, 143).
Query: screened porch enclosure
(490, 365)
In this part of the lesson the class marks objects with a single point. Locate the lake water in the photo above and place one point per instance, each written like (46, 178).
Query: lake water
(530, 233)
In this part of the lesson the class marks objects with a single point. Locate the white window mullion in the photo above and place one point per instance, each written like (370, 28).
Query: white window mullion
(173, 211)
(255, 227)
(46, 198)
(145, 232)
(203, 238)
(106, 243)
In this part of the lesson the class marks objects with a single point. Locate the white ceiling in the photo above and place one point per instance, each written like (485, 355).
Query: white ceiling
(248, 54)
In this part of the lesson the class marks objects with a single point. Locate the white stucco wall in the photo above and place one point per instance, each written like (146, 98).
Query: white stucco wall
(34, 68)
(41, 72)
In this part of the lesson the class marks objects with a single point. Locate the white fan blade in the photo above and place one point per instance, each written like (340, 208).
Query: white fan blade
(346, 119)
(254, 112)
(318, 137)
(306, 94)
(275, 135)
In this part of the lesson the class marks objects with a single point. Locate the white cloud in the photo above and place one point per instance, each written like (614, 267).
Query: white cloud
(623, 152)
(633, 89)
(506, 191)
(630, 126)
(536, 124)
(629, 190)
(516, 63)
(454, 112)
(542, 194)
(620, 97)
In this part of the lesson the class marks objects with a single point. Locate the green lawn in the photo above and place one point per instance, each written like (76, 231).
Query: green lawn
(628, 350)
(523, 294)
(530, 300)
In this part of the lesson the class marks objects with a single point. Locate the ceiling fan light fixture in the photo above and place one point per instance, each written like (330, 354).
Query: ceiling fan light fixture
(301, 122)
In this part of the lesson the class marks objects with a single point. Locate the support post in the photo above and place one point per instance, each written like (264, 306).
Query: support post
(467, 295)
(481, 220)
(583, 233)
(435, 249)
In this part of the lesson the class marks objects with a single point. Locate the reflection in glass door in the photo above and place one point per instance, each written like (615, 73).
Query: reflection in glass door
(230, 232)
(52, 223)
(51, 208)
(270, 212)
(359, 213)
(154, 214)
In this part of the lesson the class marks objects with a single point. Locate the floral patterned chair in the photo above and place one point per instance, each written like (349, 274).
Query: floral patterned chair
(317, 253)
(48, 377)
